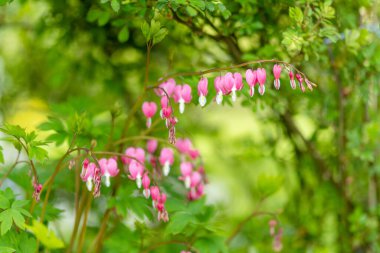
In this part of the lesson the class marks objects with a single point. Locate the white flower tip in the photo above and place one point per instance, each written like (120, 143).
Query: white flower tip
(202, 100)
(219, 98)
(108, 181)
(262, 90)
(233, 96)
(187, 182)
(148, 122)
(166, 169)
(147, 193)
(89, 184)
(138, 182)
(181, 107)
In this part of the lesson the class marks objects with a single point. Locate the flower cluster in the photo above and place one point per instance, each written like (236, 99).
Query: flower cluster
(228, 84)
(137, 161)
(92, 174)
(194, 180)
(277, 237)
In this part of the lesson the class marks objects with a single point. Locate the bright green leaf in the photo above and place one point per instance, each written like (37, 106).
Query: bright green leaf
(47, 237)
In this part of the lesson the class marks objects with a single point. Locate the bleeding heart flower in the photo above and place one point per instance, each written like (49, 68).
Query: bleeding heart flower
(149, 109)
(292, 82)
(300, 80)
(219, 84)
(261, 78)
(108, 169)
(277, 74)
(166, 160)
(137, 153)
(182, 95)
(186, 170)
(87, 175)
(168, 87)
(136, 170)
(145, 184)
(151, 146)
(202, 91)
(251, 78)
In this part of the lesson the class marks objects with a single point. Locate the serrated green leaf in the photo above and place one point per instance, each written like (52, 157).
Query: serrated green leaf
(296, 14)
(17, 217)
(47, 237)
(37, 153)
(123, 35)
(19, 203)
(115, 5)
(6, 221)
(4, 202)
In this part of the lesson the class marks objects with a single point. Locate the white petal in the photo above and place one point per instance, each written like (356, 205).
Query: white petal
(202, 100)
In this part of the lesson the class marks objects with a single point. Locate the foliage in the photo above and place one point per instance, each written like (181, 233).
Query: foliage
(74, 74)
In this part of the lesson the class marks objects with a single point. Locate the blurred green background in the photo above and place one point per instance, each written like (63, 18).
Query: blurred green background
(312, 158)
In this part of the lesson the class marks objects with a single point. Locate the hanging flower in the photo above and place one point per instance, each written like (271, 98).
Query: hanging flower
(277, 74)
(182, 95)
(292, 82)
(261, 78)
(251, 78)
(219, 84)
(145, 184)
(136, 153)
(87, 174)
(136, 170)
(186, 170)
(108, 169)
(149, 109)
(166, 160)
(151, 146)
(300, 81)
(202, 91)
(167, 88)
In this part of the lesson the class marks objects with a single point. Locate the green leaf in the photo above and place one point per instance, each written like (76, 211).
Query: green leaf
(6, 249)
(160, 35)
(154, 27)
(178, 222)
(14, 130)
(296, 14)
(115, 4)
(20, 203)
(47, 237)
(145, 30)
(123, 35)
(38, 153)
(213, 244)
(6, 221)
(103, 19)
(191, 11)
(4, 202)
(18, 218)
(199, 4)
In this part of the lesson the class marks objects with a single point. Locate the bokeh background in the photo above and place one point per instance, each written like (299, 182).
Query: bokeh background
(311, 158)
